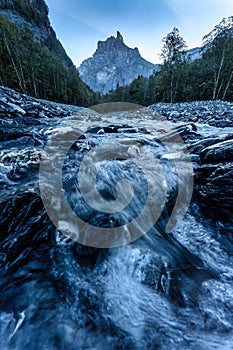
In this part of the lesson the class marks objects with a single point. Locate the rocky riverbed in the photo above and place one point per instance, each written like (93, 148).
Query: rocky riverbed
(214, 113)
(164, 290)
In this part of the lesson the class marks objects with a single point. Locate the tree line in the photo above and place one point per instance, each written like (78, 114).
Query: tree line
(30, 67)
(179, 79)
(43, 70)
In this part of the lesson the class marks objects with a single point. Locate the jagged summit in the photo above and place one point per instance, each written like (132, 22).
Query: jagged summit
(114, 63)
(112, 43)
(119, 37)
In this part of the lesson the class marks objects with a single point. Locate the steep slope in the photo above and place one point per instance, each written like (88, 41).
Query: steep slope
(114, 64)
(32, 60)
(34, 14)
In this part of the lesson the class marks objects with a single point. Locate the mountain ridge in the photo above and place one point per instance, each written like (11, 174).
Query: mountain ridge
(114, 64)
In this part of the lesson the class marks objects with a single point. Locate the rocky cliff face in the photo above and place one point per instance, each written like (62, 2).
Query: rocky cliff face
(114, 63)
(194, 54)
(33, 61)
(34, 14)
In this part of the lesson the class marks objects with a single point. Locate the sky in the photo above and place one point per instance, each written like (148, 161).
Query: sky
(80, 24)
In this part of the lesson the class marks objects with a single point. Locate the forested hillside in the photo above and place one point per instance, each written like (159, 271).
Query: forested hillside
(32, 60)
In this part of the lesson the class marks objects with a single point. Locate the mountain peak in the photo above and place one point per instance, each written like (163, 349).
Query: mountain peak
(114, 64)
(119, 37)
(111, 43)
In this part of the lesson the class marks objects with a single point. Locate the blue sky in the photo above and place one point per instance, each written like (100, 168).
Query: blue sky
(79, 24)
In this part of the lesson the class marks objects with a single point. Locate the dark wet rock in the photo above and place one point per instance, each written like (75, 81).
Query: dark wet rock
(88, 257)
(187, 131)
(220, 152)
(29, 120)
(16, 237)
(114, 129)
(203, 171)
(214, 113)
(215, 191)
(214, 176)
(24, 109)
(203, 143)
(198, 146)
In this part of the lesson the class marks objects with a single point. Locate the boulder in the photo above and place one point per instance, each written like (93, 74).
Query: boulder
(214, 176)
(220, 152)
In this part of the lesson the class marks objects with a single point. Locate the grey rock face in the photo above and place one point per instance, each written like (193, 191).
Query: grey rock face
(40, 28)
(194, 54)
(114, 63)
(40, 33)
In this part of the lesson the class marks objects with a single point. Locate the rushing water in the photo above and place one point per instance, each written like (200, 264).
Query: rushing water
(161, 291)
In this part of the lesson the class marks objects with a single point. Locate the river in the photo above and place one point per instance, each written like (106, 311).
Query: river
(164, 282)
